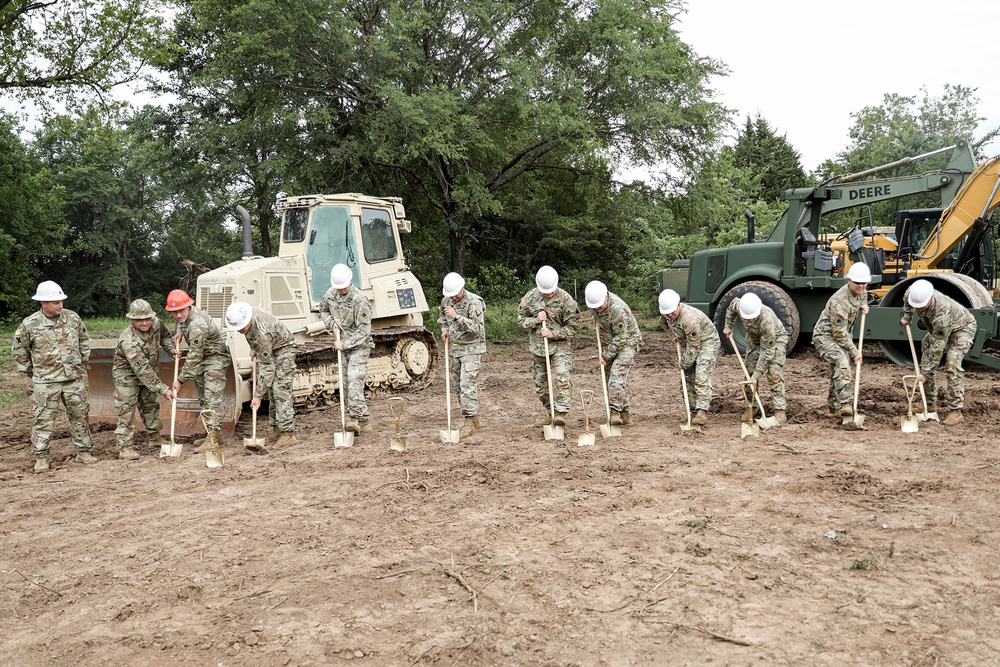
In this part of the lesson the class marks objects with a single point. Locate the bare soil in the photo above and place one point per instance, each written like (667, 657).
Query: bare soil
(807, 545)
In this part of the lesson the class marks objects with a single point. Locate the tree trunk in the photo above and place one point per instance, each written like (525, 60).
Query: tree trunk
(457, 237)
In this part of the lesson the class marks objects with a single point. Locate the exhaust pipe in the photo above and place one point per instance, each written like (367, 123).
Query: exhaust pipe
(751, 231)
(247, 235)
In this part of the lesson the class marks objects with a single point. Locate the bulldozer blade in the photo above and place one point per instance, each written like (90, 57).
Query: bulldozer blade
(909, 424)
(398, 444)
(748, 430)
(172, 449)
(214, 458)
(102, 389)
(586, 439)
(552, 432)
(610, 431)
(343, 439)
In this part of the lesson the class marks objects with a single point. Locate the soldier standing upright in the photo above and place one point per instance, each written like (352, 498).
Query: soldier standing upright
(463, 326)
(951, 330)
(206, 363)
(51, 346)
(700, 345)
(833, 337)
(344, 307)
(551, 313)
(621, 339)
(273, 346)
(767, 343)
(137, 383)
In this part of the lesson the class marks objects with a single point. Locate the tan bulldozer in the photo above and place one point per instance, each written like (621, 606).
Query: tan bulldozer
(317, 232)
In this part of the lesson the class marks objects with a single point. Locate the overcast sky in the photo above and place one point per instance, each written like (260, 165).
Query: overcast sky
(805, 66)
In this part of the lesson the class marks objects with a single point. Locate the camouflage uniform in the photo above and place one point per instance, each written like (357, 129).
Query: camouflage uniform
(207, 358)
(951, 330)
(467, 340)
(562, 313)
(620, 338)
(275, 350)
(137, 382)
(767, 343)
(833, 340)
(700, 347)
(352, 312)
(52, 352)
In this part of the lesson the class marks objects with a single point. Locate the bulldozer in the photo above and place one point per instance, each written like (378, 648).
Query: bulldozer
(805, 258)
(317, 232)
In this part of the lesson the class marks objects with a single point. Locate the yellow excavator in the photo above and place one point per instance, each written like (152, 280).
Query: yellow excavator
(317, 232)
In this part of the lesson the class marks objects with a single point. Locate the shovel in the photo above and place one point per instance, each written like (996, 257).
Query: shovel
(764, 421)
(550, 431)
(749, 428)
(174, 448)
(608, 430)
(451, 435)
(253, 443)
(397, 443)
(925, 416)
(213, 457)
(909, 423)
(344, 438)
(857, 421)
(587, 438)
(684, 388)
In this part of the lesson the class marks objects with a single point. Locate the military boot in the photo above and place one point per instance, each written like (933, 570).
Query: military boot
(199, 442)
(700, 418)
(272, 437)
(364, 426)
(286, 439)
(544, 421)
(208, 443)
(954, 417)
(560, 419)
(352, 425)
(41, 463)
(84, 456)
(626, 418)
(846, 410)
(128, 454)
(932, 407)
(616, 417)
(156, 439)
(780, 417)
(470, 426)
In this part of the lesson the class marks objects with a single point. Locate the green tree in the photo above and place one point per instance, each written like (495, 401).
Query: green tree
(769, 159)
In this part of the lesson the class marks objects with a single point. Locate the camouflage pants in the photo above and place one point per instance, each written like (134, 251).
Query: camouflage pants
(356, 363)
(562, 385)
(959, 344)
(841, 368)
(281, 410)
(46, 398)
(211, 385)
(774, 373)
(465, 382)
(618, 371)
(130, 394)
(699, 376)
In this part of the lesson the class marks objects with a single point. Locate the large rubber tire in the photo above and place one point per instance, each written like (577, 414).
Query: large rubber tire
(773, 297)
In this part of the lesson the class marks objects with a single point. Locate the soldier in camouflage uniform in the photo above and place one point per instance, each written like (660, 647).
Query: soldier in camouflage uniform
(463, 326)
(137, 383)
(207, 361)
(834, 340)
(273, 347)
(620, 340)
(700, 347)
(550, 312)
(766, 342)
(951, 330)
(51, 347)
(346, 309)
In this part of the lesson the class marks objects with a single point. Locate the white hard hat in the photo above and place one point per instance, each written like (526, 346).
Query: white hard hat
(669, 300)
(341, 276)
(920, 293)
(749, 306)
(453, 284)
(546, 280)
(238, 315)
(49, 291)
(595, 294)
(859, 273)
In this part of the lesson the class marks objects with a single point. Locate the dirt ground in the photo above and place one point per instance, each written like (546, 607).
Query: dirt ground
(808, 545)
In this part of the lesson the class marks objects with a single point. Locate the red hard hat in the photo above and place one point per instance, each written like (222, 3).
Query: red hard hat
(178, 300)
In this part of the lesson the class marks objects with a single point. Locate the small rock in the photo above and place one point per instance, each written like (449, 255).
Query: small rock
(830, 535)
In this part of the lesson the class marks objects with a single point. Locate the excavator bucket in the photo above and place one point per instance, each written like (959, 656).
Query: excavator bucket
(102, 391)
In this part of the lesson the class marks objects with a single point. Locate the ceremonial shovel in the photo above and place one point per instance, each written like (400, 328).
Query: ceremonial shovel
(748, 428)
(451, 435)
(909, 423)
(398, 442)
(858, 421)
(550, 430)
(345, 438)
(174, 448)
(684, 388)
(764, 421)
(213, 457)
(925, 416)
(607, 430)
(587, 438)
(253, 443)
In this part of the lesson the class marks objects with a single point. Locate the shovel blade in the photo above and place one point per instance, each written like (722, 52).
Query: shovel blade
(766, 422)
(747, 430)
(254, 444)
(909, 424)
(587, 439)
(690, 428)
(214, 458)
(928, 417)
(853, 422)
(451, 436)
(170, 450)
(343, 439)
(610, 431)
(552, 432)
(398, 444)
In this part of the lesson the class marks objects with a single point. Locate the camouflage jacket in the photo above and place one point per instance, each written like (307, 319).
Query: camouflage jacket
(352, 312)
(766, 332)
(942, 317)
(51, 350)
(206, 343)
(467, 332)
(618, 326)
(837, 319)
(137, 355)
(563, 317)
(268, 338)
(694, 331)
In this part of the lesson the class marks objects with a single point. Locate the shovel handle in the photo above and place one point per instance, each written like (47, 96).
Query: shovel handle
(548, 377)
(604, 377)
(857, 371)
(684, 383)
(341, 381)
(587, 401)
(396, 410)
(173, 403)
(746, 373)
(447, 379)
(916, 365)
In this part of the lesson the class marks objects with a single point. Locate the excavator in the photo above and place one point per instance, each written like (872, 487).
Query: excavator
(317, 232)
